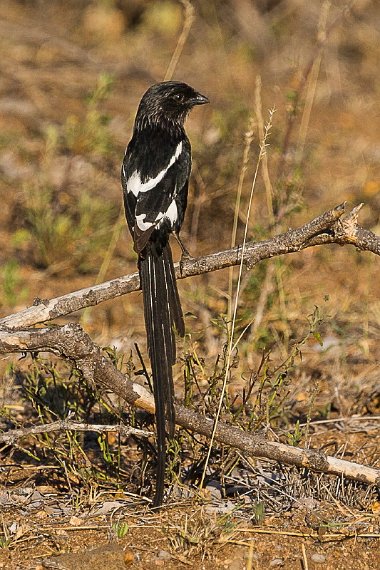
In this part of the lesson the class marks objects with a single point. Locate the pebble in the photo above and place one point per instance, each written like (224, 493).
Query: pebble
(276, 562)
(75, 521)
(164, 555)
(128, 557)
(318, 558)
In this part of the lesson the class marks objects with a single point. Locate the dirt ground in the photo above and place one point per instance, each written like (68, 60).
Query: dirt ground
(72, 74)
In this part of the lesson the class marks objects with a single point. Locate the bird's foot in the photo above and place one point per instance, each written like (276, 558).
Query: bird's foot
(184, 258)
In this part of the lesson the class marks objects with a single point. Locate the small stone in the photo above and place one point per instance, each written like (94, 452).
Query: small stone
(318, 558)
(129, 557)
(276, 562)
(215, 490)
(13, 528)
(164, 555)
(75, 521)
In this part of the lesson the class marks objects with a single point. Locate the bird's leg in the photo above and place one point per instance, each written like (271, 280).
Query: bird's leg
(185, 251)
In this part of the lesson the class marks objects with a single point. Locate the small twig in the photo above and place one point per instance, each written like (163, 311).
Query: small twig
(250, 556)
(304, 557)
(143, 366)
(314, 535)
(187, 23)
(11, 436)
(243, 171)
(84, 527)
(342, 419)
(264, 158)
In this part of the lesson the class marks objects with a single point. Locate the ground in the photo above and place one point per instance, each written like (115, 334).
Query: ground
(72, 75)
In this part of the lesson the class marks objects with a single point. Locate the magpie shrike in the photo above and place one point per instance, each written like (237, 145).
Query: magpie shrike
(155, 177)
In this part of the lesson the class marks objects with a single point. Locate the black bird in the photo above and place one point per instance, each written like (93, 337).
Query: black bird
(155, 177)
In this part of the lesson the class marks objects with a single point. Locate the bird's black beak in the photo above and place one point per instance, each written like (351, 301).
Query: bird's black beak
(200, 99)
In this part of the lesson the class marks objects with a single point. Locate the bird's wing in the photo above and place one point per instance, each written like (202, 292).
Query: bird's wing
(150, 196)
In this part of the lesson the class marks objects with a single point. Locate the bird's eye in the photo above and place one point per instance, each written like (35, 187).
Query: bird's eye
(177, 97)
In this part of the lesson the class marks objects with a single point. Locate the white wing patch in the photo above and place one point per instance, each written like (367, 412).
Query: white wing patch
(171, 213)
(142, 225)
(135, 185)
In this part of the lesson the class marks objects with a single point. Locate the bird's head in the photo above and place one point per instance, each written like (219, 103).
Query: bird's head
(168, 102)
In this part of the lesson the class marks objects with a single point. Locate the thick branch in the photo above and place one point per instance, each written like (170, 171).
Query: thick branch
(72, 342)
(327, 228)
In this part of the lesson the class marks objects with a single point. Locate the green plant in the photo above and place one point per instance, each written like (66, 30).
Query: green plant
(68, 235)
(70, 229)
(57, 392)
(90, 134)
(13, 285)
(258, 515)
(120, 529)
(5, 538)
(295, 437)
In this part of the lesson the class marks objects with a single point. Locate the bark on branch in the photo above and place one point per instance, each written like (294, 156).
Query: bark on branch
(328, 228)
(71, 342)
(10, 437)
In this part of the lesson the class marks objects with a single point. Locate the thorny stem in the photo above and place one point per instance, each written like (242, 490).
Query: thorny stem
(243, 170)
(263, 146)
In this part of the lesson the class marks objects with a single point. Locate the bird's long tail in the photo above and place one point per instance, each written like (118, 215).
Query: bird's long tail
(163, 314)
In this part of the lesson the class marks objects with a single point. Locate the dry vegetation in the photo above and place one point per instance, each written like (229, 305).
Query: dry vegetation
(305, 369)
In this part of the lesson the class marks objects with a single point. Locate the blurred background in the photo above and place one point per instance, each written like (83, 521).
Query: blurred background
(72, 74)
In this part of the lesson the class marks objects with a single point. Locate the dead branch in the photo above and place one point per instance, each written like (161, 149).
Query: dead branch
(71, 342)
(10, 437)
(328, 228)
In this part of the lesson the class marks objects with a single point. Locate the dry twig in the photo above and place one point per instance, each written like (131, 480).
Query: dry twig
(11, 436)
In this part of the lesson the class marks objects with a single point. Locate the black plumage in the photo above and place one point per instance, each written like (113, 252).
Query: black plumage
(155, 177)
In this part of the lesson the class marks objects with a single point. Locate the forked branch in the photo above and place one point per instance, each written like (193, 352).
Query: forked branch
(328, 228)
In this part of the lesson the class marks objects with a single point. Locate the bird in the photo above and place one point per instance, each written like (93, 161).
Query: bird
(155, 178)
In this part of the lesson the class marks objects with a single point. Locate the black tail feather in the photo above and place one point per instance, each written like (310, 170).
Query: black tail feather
(163, 314)
(175, 303)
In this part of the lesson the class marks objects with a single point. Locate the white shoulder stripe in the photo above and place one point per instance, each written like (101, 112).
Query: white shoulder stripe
(134, 183)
